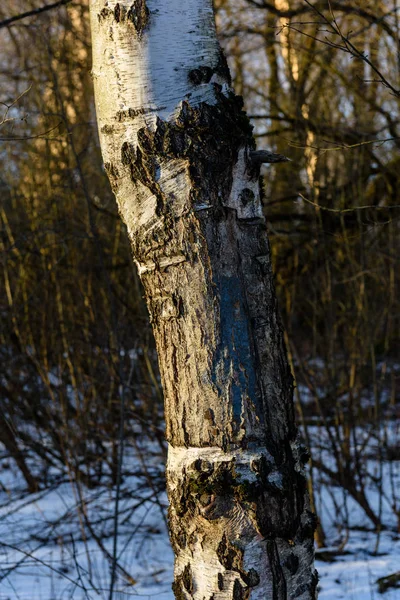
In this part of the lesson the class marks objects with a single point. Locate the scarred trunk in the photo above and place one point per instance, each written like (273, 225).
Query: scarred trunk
(177, 147)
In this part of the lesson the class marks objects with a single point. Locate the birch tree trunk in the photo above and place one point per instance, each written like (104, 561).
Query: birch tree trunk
(178, 147)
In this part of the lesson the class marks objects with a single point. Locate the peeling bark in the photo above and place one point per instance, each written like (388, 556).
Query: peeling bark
(181, 159)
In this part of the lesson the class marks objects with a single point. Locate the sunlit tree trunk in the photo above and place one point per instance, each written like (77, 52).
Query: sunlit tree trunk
(178, 150)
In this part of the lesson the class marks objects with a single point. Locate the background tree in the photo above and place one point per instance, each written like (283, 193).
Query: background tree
(73, 338)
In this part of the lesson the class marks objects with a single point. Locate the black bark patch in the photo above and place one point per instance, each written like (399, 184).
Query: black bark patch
(304, 454)
(200, 75)
(238, 592)
(104, 13)
(292, 563)
(264, 263)
(230, 556)
(132, 113)
(178, 590)
(186, 438)
(220, 582)
(261, 184)
(308, 587)
(209, 416)
(278, 578)
(187, 579)
(309, 523)
(113, 175)
(182, 582)
(209, 137)
(139, 15)
(119, 12)
(142, 167)
(246, 196)
(222, 68)
(314, 583)
(204, 466)
(107, 129)
(181, 539)
(251, 578)
(280, 514)
(128, 153)
(177, 534)
(221, 481)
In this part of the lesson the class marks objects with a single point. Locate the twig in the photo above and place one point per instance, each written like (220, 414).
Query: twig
(29, 137)
(32, 13)
(346, 210)
(9, 106)
(348, 45)
(40, 561)
(342, 146)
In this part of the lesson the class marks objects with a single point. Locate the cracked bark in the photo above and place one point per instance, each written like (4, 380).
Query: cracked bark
(179, 153)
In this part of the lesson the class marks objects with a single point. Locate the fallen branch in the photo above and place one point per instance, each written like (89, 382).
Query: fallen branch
(390, 581)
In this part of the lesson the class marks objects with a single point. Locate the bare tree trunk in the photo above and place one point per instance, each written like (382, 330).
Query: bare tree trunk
(177, 147)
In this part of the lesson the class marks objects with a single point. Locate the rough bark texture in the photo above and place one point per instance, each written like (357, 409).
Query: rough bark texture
(178, 150)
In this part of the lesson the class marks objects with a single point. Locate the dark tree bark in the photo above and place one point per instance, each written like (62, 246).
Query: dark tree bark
(179, 152)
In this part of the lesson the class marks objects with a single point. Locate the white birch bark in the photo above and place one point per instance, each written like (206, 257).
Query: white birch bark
(178, 151)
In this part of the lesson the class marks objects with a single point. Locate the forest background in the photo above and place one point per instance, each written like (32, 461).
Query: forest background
(80, 395)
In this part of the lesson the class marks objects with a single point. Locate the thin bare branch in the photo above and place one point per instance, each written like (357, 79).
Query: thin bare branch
(347, 210)
(29, 137)
(32, 13)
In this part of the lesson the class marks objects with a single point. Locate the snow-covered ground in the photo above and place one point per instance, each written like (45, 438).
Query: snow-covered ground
(366, 556)
(58, 543)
